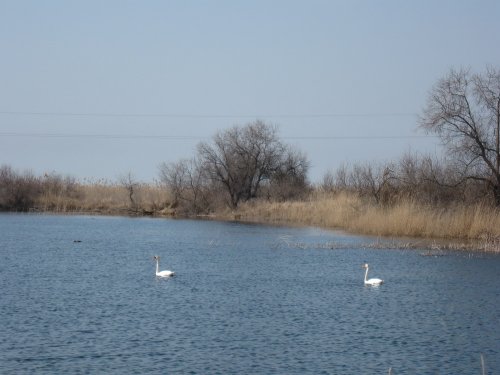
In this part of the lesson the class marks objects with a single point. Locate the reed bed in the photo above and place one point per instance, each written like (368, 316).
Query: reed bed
(404, 219)
(105, 198)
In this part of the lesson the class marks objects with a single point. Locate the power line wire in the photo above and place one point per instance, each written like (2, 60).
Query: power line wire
(97, 136)
(207, 116)
(195, 137)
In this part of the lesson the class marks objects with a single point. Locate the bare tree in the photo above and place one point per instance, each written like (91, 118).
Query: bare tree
(174, 176)
(128, 182)
(234, 167)
(463, 109)
(341, 177)
(428, 179)
(372, 180)
(187, 183)
(241, 158)
(288, 180)
(328, 181)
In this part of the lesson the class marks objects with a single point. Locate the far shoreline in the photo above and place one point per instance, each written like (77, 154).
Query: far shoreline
(430, 246)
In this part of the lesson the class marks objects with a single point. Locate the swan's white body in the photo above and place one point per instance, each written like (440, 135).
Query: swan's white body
(371, 281)
(159, 273)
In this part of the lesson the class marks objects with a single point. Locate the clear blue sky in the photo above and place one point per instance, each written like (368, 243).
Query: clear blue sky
(344, 80)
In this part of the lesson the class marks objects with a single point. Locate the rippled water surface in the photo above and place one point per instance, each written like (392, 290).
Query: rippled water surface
(247, 299)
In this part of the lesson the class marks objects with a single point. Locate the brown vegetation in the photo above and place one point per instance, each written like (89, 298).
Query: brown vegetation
(408, 218)
(54, 193)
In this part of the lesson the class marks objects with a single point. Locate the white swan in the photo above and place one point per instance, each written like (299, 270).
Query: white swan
(162, 273)
(371, 281)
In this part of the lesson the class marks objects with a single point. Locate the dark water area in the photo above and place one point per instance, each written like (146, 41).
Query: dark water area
(246, 299)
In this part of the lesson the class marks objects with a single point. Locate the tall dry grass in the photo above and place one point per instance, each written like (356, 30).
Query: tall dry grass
(105, 198)
(406, 219)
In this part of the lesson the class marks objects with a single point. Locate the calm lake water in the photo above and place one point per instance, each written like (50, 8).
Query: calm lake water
(247, 299)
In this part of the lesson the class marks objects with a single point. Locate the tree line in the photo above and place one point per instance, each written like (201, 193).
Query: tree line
(463, 110)
(240, 164)
(423, 179)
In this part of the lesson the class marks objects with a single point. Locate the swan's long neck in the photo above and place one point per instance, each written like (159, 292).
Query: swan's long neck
(366, 274)
(157, 266)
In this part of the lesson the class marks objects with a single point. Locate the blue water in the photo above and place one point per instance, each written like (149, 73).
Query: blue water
(247, 299)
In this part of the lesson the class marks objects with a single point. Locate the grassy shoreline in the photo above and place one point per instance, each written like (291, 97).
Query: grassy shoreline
(458, 226)
(102, 198)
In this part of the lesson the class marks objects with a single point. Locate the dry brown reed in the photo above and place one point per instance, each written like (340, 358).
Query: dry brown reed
(105, 198)
(405, 219)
